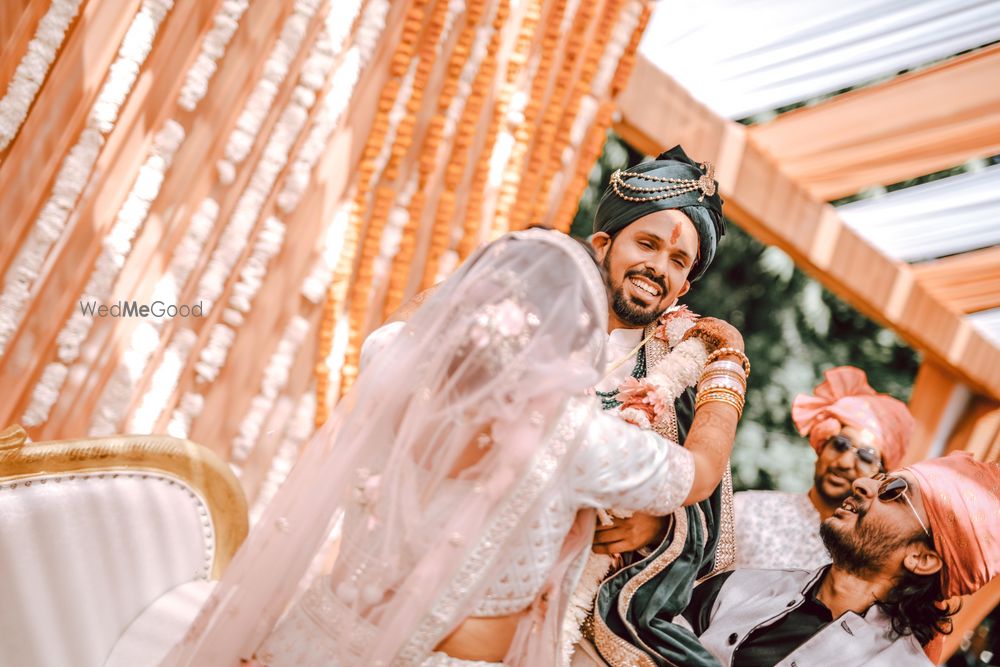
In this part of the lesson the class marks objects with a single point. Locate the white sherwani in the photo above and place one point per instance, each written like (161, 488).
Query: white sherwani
(777, 531)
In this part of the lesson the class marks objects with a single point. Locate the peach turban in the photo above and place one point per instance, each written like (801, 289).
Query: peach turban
(962, 499)
(844, 398)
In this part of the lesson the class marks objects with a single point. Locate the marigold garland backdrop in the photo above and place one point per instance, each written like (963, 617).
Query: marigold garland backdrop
(284, 174)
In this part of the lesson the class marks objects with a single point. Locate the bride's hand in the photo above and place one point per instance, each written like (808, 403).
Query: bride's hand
(715, 334)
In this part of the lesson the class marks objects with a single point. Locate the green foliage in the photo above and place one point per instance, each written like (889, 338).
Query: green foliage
(793, 329)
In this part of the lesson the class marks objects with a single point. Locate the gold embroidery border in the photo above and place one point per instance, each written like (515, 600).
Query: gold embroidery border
(725, 550)
(614, 649)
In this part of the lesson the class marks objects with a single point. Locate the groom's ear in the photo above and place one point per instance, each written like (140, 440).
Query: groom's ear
(684, 290)
(601, 243)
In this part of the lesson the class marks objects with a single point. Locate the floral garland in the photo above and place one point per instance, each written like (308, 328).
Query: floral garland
(77, 166)
(198, 76)
(34, 67)
(297, 432)
(273, 382)
(117, 246)
(338, 96)
(644, 402)
(258, 105)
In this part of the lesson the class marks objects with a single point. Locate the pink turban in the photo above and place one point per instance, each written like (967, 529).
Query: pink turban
(845, 398)
(962, 499)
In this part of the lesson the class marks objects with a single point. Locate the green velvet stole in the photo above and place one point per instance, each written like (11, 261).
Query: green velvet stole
(648, 624)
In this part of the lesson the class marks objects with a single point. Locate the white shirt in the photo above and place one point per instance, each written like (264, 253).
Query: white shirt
(620, 343)
(776, 530)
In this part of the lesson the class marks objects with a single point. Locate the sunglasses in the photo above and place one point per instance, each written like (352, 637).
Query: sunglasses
(867, 455)
(893, 488)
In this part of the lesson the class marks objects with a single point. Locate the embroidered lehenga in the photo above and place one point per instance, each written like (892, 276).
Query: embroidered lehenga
(465, 464)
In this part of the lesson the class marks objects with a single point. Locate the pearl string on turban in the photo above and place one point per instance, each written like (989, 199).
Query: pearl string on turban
(650, 182)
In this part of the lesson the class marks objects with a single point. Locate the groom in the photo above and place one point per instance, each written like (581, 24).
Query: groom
(654, 234)
(656, 230)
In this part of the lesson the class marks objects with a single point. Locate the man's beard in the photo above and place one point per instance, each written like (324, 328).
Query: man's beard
(625, 310)
(861, 551)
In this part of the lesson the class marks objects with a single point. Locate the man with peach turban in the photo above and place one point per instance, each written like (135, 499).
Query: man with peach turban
(902, 544)
(856, 432)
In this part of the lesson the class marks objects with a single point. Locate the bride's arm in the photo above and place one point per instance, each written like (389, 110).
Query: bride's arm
(622, 466)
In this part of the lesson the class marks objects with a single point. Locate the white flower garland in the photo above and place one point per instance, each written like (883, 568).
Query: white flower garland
(163, 382)
(117, 246)
(258, 104)
(321, 275)
(34, 67)
(221, 338)
(189, 407)
(213, 47)
(267, 245)
(338, 95)
(298, 432)
(117, 393)
(272, 383)
(78, 165)
(679, 369)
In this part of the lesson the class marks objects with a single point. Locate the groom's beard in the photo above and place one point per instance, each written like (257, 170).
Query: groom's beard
(625, 309)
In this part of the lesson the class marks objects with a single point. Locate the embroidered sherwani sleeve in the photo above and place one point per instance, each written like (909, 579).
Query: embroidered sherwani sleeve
(620, 466)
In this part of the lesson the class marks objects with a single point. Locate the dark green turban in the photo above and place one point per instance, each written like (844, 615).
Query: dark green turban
(696, 195)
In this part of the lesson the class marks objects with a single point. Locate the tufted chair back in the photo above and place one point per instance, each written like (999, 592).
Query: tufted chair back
(94, 531)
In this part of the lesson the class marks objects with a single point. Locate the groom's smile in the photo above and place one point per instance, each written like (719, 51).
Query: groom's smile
(646, 266)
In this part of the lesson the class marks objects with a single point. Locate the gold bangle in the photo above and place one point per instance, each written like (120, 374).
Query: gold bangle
(724, 396)
(736, 377)
(727, 401)
(723, 383)
(723, 351)
(723, 390)
(719, 394)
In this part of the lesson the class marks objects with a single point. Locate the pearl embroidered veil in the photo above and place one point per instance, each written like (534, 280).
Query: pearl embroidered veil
(449, 438)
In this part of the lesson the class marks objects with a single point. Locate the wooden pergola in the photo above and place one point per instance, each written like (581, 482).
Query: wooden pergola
(776, 180)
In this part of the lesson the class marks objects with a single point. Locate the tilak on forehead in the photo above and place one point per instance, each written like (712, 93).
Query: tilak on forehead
(671, 181)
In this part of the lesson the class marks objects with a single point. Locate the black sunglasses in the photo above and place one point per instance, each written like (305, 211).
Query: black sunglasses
(868, 455)
(893, 488)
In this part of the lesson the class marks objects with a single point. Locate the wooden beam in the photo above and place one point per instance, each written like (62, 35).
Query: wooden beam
(979, 430)
(931, 404)
(655, 112)
(912, 125)
(970, 282)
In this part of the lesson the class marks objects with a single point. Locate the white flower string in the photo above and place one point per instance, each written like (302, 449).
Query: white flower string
(114, 401)
(321, 275)
(34, 67)
(78, 166)
(163, 382)
(272, 383)
(336, 99)
(258, 104)
(189, 407)
(298, 431)
(213, 47)
(330, 42)
(116, 247)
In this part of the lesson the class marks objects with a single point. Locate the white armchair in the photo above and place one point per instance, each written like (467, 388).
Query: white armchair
(108, 546)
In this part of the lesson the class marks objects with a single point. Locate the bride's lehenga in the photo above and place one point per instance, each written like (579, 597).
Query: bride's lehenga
(615, 465)
(464, 460)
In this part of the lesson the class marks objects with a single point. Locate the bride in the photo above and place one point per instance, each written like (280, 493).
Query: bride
(465, 465)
